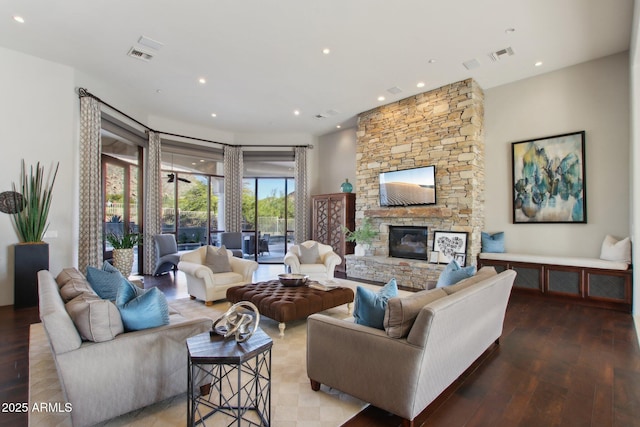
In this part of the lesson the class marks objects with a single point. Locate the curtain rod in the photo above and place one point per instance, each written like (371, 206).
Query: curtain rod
(82, 92)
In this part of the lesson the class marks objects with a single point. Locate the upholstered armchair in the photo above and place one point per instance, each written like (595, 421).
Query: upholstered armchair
(204, 284)
(312, 258)
(167, 256)
(233, 242)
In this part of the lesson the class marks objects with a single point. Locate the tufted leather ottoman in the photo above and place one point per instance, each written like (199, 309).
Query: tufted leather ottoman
(284, 304)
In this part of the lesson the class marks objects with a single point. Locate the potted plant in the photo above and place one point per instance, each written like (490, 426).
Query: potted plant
(123, 245)
(363, 236)
(31, 202)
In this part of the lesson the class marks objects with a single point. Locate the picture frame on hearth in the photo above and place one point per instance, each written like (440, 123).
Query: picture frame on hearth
(549, 180)
(448, 244)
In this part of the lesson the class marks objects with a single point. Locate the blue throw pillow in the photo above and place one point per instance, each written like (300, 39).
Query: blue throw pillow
(493, 242)
(110, 268)
(140, 309)
(370, 305)
(453, 273)
(104, 283)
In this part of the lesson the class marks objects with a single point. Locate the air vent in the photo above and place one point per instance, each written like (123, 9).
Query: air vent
(320, 116)
(394, 90)
(471, 64)
(139, 54)
(500, 54)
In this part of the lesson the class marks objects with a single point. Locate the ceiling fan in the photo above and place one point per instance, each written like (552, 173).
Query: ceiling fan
(172, 177)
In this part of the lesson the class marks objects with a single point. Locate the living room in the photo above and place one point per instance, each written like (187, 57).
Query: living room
(39, 112)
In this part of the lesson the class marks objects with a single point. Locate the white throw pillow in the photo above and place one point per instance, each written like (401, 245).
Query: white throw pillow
(616, 250)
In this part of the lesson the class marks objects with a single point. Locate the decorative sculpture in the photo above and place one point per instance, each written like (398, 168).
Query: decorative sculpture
(238, 322)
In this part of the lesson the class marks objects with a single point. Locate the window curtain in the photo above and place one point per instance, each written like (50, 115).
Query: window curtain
(90, 244)
(152, 200)
(302, 195)
(233, 168)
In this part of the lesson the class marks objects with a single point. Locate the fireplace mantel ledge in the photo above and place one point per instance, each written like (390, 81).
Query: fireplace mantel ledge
(409, 211)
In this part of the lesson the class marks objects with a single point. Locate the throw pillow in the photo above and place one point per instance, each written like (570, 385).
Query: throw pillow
(217, 259)
(109, 268)
(75, 287)
(453, 273)
(370, 305)
(616, 250)
(96, 319)
(493, 242)
(310, 255)
(401, 312)
(105, 283)
(140, 309)
(67, 274)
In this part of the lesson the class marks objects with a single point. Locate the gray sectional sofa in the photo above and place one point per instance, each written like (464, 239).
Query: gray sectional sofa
(430, 339)
(121, 372)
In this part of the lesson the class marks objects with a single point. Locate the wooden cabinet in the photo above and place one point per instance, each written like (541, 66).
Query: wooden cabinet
(330, 213)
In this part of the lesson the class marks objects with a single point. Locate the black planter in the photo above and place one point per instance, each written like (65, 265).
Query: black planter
(29, 258)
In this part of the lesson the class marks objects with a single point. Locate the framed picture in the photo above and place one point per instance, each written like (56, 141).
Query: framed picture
(549, 184)
(433, 257)
(448, 244)
(460, 258)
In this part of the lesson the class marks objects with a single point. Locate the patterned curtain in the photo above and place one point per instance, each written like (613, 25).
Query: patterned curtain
(90, 244)
(302, 195)
(233, 188)
(152, 201)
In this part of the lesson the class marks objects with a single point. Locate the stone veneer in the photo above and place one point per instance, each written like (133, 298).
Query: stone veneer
(442, 127)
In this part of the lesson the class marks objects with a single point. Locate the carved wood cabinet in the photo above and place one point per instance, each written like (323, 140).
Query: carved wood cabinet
(330, 213)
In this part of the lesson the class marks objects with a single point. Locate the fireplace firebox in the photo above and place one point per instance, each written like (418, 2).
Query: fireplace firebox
(408, 242)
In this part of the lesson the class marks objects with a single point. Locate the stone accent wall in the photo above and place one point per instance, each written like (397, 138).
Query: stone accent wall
(443, 127)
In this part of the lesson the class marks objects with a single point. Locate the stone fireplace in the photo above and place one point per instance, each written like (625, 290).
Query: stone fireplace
(443, 127)
(409, 242)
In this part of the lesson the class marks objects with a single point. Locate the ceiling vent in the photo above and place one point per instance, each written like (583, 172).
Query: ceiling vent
(501, 54)
(471, 64)
(394, 90)
(140, 54)
(320, 116)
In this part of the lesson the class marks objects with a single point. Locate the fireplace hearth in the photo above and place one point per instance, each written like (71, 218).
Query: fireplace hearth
(408, 242)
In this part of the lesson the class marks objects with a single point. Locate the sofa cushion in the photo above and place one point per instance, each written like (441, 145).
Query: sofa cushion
(95, 318)
(453, 273)
(482, 274)
(217, 259)
(140, 309)
(401, 312)
(105, 283)
(616, 250)
(493, 243)
(67, 274)
(370, 306)
(310, 255)
(75, 287)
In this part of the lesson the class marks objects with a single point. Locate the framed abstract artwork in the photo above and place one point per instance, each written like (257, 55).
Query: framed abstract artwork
(548, 178)
(450, 245)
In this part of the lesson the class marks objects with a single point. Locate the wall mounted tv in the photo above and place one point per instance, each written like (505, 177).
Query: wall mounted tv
(408, 187)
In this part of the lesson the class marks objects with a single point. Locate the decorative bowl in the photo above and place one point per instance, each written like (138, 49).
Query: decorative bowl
(292, 279)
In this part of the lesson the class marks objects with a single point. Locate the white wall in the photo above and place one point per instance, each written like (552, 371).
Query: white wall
(592, 96)
(337, 160)
(38, 116)
(634, 158)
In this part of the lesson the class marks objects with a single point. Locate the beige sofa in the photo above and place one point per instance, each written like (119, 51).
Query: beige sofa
(204, 284)
(105, 379)
(453, 327)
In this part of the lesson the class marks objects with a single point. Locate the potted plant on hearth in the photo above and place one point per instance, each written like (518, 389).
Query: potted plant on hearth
(363, 236)
(123, 245)
(30, 202)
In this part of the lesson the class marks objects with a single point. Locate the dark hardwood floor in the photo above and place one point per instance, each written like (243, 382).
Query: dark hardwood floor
(557, 364)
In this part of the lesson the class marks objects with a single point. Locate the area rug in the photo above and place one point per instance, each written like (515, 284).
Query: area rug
(293, 401)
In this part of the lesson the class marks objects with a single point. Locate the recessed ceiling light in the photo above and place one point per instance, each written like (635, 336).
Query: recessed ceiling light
(326, 51)
(202, 80)
(214, 115)
(381, 98)
(432, 61)
(338, 126)
(19, 19)
(158, 90)
(201, 160)
(420, 84)
(538, 64)
(510, 30)
(296, 112)
(193, 163)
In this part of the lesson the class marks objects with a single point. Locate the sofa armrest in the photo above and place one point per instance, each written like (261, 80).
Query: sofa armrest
(292, 260)
(330, 260)
(363, 362)
(245, 267)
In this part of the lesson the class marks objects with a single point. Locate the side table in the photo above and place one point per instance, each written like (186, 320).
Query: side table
(228, 382)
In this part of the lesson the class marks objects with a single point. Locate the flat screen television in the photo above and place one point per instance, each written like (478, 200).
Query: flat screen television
(407, 187)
